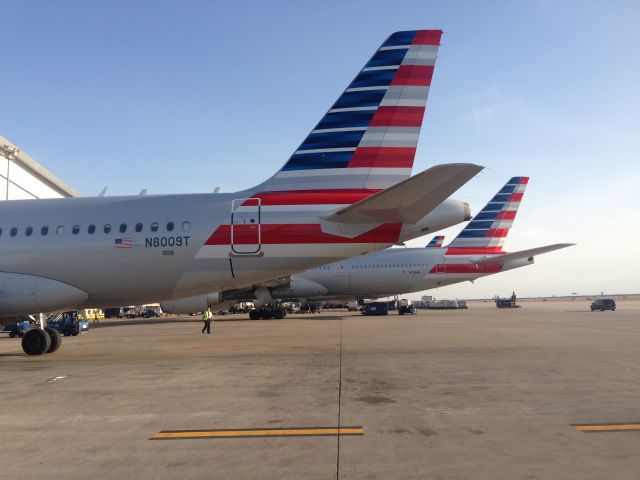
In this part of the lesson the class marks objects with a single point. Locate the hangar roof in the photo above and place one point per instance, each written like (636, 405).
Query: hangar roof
(35, 169)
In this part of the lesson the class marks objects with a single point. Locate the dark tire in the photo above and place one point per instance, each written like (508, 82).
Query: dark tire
(266, 315)
(56, 339)
(75, 334)
(279, 313)
(12, 335)
(36, 342)
(254, 315)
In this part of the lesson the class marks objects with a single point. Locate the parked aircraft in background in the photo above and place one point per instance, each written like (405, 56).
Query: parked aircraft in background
(436, 242)
(474, 253)
(345, 191)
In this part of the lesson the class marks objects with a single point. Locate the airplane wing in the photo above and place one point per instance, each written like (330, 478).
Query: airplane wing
(409, 200)
(523, 254)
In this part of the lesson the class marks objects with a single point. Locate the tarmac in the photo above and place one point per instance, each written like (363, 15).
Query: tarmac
(481, 393)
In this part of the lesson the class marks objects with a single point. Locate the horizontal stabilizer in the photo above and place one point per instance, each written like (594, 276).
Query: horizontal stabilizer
(507, 257)
(409, 200)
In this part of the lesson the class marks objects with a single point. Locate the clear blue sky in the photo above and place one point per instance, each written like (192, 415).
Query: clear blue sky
(182, 96)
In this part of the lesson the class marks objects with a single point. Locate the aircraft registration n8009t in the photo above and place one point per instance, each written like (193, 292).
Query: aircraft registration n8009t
(346, 190)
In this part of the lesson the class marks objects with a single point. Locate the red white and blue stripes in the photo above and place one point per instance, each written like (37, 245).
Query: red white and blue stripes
(436, 242)
(370, 134)
(488, 229)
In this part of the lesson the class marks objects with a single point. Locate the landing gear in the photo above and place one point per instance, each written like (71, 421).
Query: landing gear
(38, 341)
(268, 312)
(56, 339)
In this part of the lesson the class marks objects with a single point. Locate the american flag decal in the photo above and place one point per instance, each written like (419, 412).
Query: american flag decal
(124, 242)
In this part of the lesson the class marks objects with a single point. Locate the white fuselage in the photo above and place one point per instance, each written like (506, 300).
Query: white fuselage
(389, 272)
(99, 252)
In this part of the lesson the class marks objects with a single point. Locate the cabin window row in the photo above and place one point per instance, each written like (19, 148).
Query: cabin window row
(106, 228)
(392, 265)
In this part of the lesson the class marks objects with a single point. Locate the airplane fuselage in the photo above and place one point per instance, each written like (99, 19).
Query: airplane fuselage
(130, 250)
(102, 251)
(389, 272)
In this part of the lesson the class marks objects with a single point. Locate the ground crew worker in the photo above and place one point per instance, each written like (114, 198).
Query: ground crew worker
(206, 318)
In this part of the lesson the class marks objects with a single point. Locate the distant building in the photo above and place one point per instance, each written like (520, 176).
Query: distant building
(21, 177)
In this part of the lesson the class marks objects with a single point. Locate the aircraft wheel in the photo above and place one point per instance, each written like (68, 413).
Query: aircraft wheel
(279, 313)
(266, 314)
(56, 339)
(254, 315)
(36, 342)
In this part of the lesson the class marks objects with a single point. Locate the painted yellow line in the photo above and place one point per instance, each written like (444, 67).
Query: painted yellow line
(614, 427)
(261, 432)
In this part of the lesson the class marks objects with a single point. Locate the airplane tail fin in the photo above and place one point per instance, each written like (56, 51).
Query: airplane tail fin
(486, 232)
(436, 242)
(368, 138)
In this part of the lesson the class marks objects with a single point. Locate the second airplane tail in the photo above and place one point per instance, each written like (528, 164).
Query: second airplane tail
(486, 232)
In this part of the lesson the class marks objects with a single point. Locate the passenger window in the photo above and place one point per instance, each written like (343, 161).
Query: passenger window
(60, 230)
(138, 227)
(170, 226)
(13, 232)
(44, 230)
(107, 228)
(154, 227)
(0, 232)
(28, 231)
(186, 226)
(75, 229)
(123, 227)
(91, 229)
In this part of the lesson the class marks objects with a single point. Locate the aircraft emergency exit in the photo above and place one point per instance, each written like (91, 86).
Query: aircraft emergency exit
(345, 191)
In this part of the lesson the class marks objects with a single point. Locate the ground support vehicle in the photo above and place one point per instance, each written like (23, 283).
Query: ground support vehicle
(68, 323)
(602, 304)
(376, 308)
(16, 329)
(506, 303)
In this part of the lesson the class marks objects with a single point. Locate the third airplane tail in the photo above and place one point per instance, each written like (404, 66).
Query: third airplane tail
(436, 242)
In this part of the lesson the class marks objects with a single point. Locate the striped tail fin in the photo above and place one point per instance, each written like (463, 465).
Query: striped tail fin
(436, 242)
(368, 138)
(486, 232)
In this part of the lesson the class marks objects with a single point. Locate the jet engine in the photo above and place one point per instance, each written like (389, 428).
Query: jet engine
(447, 214)
(21, 293)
